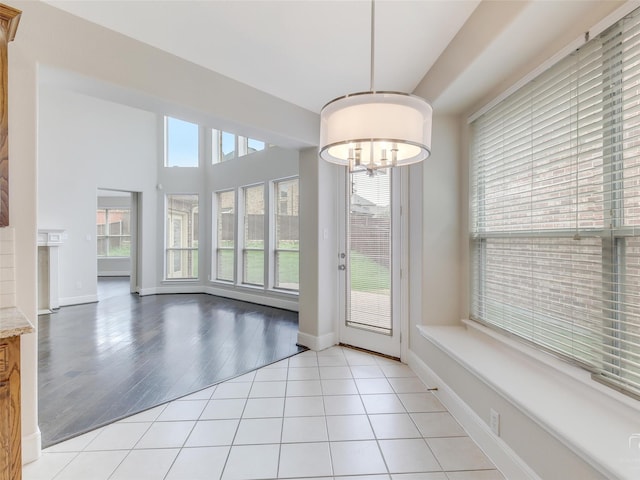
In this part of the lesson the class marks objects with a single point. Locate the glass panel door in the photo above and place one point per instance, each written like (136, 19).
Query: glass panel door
(371, 263)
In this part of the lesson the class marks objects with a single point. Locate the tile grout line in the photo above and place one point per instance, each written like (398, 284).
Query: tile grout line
(246, 401)
(284, 405)
(375, 436)
(326, 423)
(324, 396)
(188, 436)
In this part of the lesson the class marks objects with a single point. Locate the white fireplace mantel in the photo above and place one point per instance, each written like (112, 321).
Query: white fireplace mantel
(51, 238)
(48, 268)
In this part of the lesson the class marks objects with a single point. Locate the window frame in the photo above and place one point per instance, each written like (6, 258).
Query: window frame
(614, 342)
(241, 248)
(242, 244)
(216, 240)
(274, 228)
(166, 164)
(241, 146)
(169, 231)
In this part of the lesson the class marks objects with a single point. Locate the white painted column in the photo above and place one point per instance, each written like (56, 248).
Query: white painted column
(23, 141)
(318, 319)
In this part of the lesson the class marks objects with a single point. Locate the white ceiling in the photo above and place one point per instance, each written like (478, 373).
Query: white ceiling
(308, 52)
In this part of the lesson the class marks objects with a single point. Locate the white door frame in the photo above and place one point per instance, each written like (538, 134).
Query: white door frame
(135, 217)
(400, 291)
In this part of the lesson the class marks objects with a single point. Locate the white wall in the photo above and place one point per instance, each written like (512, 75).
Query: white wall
(441, 230)
(85, 144)
(114, 266)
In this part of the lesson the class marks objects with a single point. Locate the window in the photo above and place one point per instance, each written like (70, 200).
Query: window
(181, 149)
(254, 145)
(182, 237)
(225, 235)
(227, 146)
(287, 237)
(113, 232)
(253, 252)
(556, 209)
(253, 242)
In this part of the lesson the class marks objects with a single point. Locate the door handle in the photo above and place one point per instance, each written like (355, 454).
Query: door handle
(342, 266)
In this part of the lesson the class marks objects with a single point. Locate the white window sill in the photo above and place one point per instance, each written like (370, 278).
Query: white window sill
(596, 422)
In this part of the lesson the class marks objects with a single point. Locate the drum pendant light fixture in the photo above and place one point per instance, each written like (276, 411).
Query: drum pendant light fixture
(375, 130)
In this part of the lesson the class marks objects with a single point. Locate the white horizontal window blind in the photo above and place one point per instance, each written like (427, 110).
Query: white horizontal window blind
(556, 209)
(369, 252)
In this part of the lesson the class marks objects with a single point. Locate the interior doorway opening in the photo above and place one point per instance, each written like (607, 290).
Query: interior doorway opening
(117, 229)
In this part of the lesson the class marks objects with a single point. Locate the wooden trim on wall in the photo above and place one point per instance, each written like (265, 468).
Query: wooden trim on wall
(9, 19)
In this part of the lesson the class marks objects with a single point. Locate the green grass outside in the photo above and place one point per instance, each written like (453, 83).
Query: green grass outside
(367, 275)
(122, 251)
(254, 267)
(225, 265)
(288, 273)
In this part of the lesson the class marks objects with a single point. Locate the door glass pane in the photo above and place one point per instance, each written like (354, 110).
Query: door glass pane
(369, 250)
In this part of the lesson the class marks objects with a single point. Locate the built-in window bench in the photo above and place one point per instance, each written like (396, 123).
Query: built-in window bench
(598, 424)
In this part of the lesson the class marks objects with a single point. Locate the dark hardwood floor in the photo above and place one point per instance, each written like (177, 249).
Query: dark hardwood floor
(103, 361)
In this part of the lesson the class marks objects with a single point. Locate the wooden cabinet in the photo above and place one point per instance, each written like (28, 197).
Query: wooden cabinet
(5, 429)
(10, 431)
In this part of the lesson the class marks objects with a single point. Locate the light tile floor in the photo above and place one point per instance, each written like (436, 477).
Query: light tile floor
(336, 413)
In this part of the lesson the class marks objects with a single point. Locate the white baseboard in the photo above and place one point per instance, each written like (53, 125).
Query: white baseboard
(115, 273)
(65, 302)
(316, 343)
(186, 288)
(258, 297)
(505, 459)
(31, 447)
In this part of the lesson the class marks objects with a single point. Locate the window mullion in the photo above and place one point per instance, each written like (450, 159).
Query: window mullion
(612, 246)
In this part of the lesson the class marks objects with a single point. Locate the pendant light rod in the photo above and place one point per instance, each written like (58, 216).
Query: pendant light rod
(373, 40)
